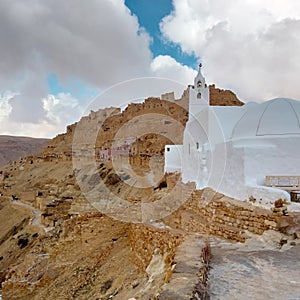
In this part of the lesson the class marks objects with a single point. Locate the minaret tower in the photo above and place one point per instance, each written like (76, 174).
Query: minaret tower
(199, 94)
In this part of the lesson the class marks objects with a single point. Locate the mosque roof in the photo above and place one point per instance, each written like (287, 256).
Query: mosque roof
(279, 116)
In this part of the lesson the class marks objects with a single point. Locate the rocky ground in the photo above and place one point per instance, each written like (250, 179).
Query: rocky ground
(80, 253)
(261, 269)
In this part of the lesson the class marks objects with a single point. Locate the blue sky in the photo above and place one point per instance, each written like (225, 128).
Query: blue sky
(150, 13)
(79, 89)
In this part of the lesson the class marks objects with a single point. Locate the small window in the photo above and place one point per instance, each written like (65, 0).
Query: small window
(199, 84)
(197, 145)
(168, 149)
(199, 95)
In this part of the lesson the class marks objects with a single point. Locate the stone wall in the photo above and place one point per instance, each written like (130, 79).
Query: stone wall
(145, 239)
(222, 216)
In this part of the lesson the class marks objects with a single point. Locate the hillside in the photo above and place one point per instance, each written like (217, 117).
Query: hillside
(150, 245)
(15, 147)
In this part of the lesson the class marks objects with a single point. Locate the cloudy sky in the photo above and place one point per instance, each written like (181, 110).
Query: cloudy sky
(55, 56)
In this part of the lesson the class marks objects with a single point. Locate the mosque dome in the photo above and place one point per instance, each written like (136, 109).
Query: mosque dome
(279, 116)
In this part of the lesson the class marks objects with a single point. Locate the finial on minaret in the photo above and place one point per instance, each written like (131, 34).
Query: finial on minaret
(200, 65)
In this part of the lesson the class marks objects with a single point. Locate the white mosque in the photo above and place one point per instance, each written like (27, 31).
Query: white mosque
(234, 149)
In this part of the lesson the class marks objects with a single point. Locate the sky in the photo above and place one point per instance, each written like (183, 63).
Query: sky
(56, 56)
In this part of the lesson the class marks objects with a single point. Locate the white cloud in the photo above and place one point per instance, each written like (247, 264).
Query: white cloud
(62, 108)
(98, 43)
(250, 46)
(41, 130)
(167, 67)
(5, 106)
(246, 45)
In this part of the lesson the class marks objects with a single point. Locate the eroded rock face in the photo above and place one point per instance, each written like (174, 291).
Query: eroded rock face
(219, 97)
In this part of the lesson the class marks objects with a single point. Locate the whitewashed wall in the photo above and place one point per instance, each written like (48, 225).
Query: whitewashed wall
(173, 158)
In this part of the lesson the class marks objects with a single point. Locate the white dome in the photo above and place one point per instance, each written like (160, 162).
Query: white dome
(275, 117)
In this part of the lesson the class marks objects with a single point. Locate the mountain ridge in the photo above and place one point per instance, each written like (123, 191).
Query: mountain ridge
(15, 147)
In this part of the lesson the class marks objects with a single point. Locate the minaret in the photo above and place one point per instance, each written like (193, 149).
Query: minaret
(199, 94)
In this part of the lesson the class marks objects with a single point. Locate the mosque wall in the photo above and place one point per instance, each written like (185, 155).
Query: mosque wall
(233, 149)
(242, 172)
(173, 158)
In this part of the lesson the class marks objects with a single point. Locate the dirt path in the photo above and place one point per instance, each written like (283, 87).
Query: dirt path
(36, 219)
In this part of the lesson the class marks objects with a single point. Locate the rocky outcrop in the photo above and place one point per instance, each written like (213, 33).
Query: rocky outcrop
(221, 97)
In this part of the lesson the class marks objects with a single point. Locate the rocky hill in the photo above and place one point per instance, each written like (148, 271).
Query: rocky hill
(54, 241)
(15, 147)
(137, 121)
